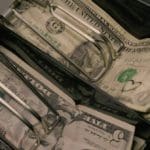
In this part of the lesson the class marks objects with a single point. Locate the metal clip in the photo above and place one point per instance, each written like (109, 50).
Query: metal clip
(94, 40)
(18, 115)
(21, 118)
(47, 41)
(108, 54)
(5, 60)
(21, 102)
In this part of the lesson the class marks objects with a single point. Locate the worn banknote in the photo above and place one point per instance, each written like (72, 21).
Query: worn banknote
(43, 26)
(96, 131)
(55, 97)
(20, 132)
(122, 70)
(128, 77)
(44, 86)
(99, 131)
(20, 135)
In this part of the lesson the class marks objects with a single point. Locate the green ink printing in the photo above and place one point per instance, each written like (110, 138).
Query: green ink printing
(127, 75)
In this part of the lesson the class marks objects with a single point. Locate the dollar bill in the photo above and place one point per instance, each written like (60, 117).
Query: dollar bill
(45, 87)
(134, 64)
(18, 133)
(64, 108)
(12, 128)
(126, 79)
(93, 130)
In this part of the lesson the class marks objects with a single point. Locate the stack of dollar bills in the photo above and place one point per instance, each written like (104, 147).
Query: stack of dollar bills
(71, 78)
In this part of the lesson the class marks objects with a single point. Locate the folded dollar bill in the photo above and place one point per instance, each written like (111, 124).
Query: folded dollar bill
(134, 57)
(98, 48)
(21, 127)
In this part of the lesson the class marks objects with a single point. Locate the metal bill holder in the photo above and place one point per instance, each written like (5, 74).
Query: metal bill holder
(108, 54)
